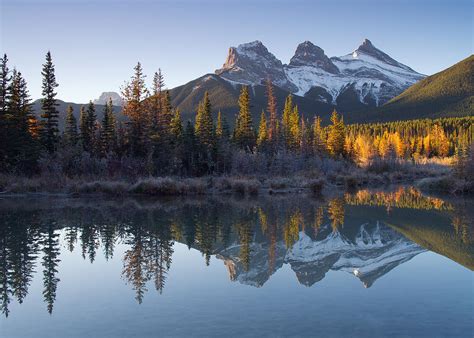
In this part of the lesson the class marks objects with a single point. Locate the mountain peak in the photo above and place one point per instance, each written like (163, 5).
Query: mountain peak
(308, 54)
(251, 63)
(367, 47)
(105, 96)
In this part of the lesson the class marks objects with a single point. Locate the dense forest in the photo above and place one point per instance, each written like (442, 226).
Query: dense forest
(154, 140)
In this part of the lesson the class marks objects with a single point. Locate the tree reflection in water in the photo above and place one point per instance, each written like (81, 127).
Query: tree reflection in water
(254, 238)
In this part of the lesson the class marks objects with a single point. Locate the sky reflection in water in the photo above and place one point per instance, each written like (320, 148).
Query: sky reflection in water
(367, 264)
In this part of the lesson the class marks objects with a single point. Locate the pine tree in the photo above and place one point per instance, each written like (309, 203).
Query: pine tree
(243, 134)
(286, 120)
(49, 124)
(295, 130)
(262, 131)
(156, 101)
(70, 129)
(189, 149)
(134, 93)
(88, 127)
(108, 137)
(272, 111)
(336, 135)
(305, 137)
(204, 126)
(204, 131)
(20, 145)
(222, 127)
(4, 96)
(84, 135)
(318, 137)
(177, 127)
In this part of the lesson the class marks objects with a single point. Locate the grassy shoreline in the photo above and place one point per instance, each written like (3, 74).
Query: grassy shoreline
(427, 177)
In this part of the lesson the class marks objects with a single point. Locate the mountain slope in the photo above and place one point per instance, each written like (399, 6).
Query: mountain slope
(224, 96)
(447, 93)
(99, 110)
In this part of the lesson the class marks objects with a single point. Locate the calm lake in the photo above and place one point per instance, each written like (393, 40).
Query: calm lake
(369, 264)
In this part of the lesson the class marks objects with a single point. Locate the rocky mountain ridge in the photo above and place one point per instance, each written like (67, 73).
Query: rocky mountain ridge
(368, 74)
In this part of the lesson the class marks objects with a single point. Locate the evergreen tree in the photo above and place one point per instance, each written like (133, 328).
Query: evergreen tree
(262, 131)
(223, 148)
(156, 101)
(20, 146)
(70, 129)
(134, 94)
(336, 135)
(88, 127)
(177, 127)
(286, 120)
(222, 127)
(318, 137)
(244, 135)
(204, 131)
(177, 138)
(305, 137)
(204, 126)
(189, 149)
(108, 137)
(84, 135)
(4, 96)
(295, 130)
(49, 124)
(272, 111)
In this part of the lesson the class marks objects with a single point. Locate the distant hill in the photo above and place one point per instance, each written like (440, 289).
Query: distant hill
(76, 106)
(444, 94)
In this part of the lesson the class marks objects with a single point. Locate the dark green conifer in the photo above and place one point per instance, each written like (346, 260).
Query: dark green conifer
(49, 124)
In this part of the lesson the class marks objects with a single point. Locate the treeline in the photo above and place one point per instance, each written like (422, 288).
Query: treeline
(155, 141)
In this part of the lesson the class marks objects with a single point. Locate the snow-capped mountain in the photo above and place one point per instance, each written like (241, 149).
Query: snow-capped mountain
(375, 250)
(368, 74)
(252, 63)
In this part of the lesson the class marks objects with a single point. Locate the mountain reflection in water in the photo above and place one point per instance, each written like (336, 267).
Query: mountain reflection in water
(365, 234)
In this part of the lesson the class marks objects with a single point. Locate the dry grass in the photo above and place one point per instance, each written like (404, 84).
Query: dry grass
(446, 184)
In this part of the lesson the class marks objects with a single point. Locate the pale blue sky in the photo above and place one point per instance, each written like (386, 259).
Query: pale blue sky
(96, 43)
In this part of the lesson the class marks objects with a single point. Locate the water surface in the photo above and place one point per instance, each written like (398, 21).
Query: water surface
(365, 264)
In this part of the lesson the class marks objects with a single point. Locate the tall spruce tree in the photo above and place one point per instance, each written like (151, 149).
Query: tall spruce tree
(156, 101)
(49, 123)
(70, 128)
(177, 127)
(262, 136)
(204, 126)
(294, 129)
(20, 144)
(222, 127)
(84, 135)
(272, 111)
(108, 137)
(4, 95)
(189, 149)
(88, 121)
(134, 94)
(286, 121)
(244, 135)
(336, 135)
(319, 146)
(205, 135)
